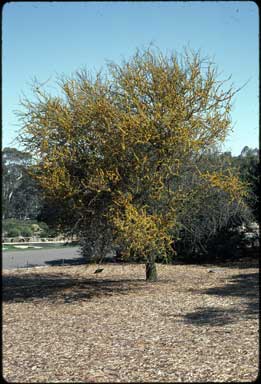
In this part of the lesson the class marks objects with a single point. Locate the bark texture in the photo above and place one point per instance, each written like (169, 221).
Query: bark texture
(151, 271)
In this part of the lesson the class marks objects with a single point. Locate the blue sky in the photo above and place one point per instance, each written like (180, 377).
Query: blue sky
(43, 39)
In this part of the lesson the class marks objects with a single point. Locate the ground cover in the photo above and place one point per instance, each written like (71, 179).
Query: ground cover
(68, 324)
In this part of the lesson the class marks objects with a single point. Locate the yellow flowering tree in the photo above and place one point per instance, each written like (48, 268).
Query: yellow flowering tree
(115, 148)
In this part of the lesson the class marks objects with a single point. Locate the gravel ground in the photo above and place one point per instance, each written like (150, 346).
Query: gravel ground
(67, 324)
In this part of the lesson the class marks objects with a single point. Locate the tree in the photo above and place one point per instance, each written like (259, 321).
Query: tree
(20, 195)
(212, 219)
(114, 150)
(249, 168)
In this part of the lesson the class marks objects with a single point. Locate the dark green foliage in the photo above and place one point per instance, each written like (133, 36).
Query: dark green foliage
(58, 214)
(208, 224)
(13, 232)
(225, 244)
(25, 228)
(249, 167)
(26, 232)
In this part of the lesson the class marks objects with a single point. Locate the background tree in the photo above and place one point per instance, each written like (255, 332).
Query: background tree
(248, 163)
(20, 195)
(122, 149)
(208, 223)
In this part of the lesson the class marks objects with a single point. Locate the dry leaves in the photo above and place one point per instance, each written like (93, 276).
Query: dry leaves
(66, 324)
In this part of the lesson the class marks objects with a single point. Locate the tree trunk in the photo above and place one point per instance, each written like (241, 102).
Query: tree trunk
(151, 271)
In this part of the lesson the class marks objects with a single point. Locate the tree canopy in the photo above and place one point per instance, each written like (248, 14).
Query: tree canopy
(120, 151)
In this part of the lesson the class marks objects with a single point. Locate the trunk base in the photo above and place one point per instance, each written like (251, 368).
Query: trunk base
(151, 272)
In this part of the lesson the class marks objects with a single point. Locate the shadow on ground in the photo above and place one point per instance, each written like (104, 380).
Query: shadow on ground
(245, 286)
(58, 262)
(244, 263)
(33, 287)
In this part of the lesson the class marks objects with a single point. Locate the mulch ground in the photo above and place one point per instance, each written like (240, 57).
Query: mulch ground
(67, 324)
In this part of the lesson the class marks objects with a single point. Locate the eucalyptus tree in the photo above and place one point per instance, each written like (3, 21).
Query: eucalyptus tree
(20, 195)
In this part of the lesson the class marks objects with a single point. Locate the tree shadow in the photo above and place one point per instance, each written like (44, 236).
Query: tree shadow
(247, 263)
(245, 286)
(243, 263)
(211, 316)
(31, 287)
(58, 262)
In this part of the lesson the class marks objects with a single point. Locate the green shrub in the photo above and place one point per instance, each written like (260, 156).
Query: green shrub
(47, 231)
(26, 231)
(13, 232)
(9, 225)
(26, 228)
